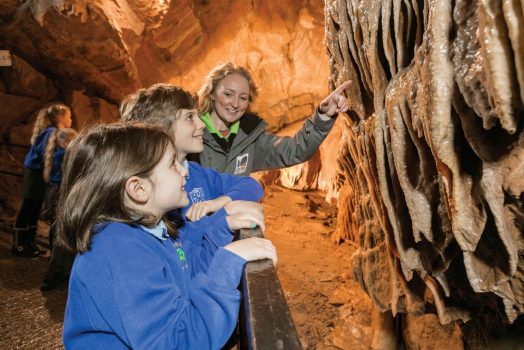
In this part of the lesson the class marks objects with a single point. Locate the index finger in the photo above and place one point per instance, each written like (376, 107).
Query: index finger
(342, 87)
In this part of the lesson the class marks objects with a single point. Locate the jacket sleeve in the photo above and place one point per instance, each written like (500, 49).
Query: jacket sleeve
(204, 237)
(274, 152)
(155, 314)
(236, 187)
(35, 157)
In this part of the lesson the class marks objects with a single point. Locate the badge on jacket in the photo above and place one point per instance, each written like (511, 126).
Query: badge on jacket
(197, 195)
(241, 165)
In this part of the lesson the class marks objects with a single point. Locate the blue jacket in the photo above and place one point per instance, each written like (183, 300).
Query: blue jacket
(203, 184)
(138, 290)
(56, 170)
(34, 159)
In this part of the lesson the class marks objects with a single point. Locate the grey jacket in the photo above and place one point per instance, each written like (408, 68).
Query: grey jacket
(255, 149)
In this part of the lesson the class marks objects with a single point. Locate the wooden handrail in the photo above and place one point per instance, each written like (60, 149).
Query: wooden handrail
(265, 320)
(11, 173)
(14, 145)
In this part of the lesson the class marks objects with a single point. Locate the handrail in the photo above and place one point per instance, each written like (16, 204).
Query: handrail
(265, 319)
(11, 173)
(14, 145)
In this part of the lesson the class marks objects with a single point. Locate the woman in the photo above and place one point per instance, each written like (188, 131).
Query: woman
(236, 140)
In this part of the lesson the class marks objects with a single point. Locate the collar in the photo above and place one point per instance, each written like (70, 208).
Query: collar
(159, 231)
(185, 164)
(206, 118)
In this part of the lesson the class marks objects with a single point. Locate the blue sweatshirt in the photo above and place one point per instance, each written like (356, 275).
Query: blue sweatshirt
(34, 159)
(56, 169)
(203, 184)
(138, 288)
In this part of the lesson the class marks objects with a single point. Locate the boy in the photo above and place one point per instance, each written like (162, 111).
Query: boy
(175, 110)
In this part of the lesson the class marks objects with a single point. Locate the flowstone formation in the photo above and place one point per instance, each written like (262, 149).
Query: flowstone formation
(431, 162)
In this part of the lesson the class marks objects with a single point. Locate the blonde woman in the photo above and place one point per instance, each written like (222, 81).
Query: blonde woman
(236, 140)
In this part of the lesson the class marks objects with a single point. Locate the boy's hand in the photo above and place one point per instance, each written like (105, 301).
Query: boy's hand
(201, 209)
(253, 248)
(236, 207)
(334, 103)
(246, 220)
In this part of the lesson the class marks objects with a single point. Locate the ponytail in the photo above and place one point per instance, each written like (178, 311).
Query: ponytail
(58, 138)
(47, 117)
(48, 155)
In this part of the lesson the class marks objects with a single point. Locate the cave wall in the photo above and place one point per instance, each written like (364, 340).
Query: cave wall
(109, 49)
(431, 162)
(89, 54)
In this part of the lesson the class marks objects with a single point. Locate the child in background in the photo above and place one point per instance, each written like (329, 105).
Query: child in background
(56, 116)
(134, 283)
(61, 260)
(175, 110)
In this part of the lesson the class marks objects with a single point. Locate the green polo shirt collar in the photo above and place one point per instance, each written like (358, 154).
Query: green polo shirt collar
(233, 129)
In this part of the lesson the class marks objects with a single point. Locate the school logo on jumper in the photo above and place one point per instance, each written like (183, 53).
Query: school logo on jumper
(197, 195)
(241, 163)
(181, 254)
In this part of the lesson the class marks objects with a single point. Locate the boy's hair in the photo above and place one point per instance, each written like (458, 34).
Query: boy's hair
(46, 117)
(206, 103)
(96, 166)
(58, 138)
(159, 104)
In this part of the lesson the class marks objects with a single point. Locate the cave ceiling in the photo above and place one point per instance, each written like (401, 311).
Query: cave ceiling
(106, 49)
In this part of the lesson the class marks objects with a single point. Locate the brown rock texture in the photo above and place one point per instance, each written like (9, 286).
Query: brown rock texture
(89, 54)
(430, 174)
(111, 48)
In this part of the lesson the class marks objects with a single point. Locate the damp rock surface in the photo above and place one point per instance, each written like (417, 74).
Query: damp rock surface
(430, 166)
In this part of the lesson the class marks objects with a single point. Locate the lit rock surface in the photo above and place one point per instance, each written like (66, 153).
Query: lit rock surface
(89, 54)
(431, 171)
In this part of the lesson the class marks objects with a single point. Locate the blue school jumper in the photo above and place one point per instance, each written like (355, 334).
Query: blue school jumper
(34, 159)
(138, 288)
(56, 169)
(203, 184)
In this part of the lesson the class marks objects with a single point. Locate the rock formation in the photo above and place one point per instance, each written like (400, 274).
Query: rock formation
(89, 54)
(431, 162)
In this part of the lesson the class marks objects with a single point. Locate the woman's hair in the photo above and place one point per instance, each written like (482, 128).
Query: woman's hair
(60, 138)
(96, 166)
(47, 116)
(159, 104)
(205, 100)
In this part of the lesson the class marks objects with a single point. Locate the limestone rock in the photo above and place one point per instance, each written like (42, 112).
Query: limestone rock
(89, 54)
(25, 90)
(430, 167)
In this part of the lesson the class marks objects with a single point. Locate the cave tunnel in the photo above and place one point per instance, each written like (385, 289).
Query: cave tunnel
(403, 231)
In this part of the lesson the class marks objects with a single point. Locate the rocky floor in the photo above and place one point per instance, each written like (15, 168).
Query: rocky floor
(29, 318)
(315, 273)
